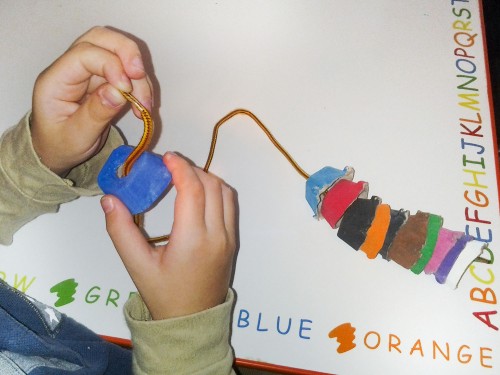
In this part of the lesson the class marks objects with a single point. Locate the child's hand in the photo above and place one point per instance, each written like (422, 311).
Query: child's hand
(192, 272)
(75, 98)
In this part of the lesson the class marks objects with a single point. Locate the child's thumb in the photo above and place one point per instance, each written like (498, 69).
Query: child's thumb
(119, 221)
(98, 109)
(126, 236)
(111, 99)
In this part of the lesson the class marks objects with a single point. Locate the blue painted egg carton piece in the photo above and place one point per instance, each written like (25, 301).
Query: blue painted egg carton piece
(142, 187)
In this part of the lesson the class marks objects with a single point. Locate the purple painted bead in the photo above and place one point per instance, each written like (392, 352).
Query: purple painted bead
(447, 264)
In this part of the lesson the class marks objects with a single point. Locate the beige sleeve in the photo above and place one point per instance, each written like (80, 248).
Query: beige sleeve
(29, 189)
(196, 344)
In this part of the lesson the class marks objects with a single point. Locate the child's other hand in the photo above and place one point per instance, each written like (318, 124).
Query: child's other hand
(75, 98)
(192, 272)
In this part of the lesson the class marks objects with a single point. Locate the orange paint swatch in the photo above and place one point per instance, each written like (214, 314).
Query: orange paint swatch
(344, 334)
(376, 233)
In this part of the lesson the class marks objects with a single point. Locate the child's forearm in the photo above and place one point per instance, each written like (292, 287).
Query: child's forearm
(194, 344)
(29, 189)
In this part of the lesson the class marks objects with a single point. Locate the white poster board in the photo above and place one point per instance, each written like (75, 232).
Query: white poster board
(378, 86)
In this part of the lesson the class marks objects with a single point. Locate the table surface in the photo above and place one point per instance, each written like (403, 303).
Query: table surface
(492, 18)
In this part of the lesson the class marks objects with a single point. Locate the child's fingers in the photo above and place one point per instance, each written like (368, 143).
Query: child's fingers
(143, 91)
(88, 63)
(230, 212)
(203, 200)
(130, 57)
(85, 60)
(214, 203)
(117, 43)
(126, 236)
(190, 199)
(68, 78)
(99, 56)
(91, 119)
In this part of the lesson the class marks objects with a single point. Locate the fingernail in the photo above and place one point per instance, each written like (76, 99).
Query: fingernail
(169, 155)
(138, 64)
(107, 204)
(124, 83)
(111, 97)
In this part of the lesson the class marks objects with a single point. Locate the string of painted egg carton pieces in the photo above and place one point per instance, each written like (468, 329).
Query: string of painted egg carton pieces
(417, 242)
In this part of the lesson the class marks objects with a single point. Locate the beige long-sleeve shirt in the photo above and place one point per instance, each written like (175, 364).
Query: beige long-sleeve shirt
(196, 344)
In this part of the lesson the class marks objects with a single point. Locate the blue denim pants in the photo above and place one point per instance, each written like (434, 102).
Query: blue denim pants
(36, 339)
